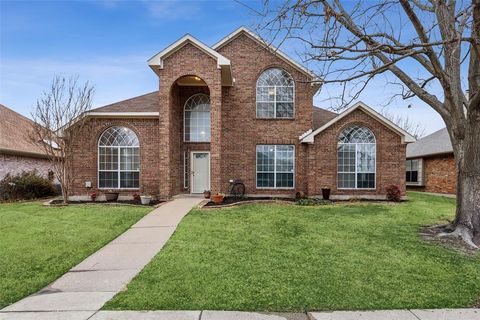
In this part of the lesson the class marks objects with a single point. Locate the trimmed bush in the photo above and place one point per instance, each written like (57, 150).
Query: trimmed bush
(24, 186)
(393, 193)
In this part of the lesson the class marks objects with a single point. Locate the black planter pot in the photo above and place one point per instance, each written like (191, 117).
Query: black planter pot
(326, 193)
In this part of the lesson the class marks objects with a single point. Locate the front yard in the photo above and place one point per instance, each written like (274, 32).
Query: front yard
(38, 244)
(291, 258)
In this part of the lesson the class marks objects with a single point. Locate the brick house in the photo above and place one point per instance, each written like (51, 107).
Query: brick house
(431, 165)
(17, 150)
(237, 110)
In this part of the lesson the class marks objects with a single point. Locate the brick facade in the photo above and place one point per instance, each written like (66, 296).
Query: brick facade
(15, 164)
(439, 174)
(235, 129)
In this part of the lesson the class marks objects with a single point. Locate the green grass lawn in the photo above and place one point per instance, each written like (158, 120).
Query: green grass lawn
(38, 244)
(291, 258)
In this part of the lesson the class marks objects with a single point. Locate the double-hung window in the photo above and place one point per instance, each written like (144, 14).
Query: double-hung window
(356, 158)
(413, 167)
(275, 94)
(118, 159)
(275, 166)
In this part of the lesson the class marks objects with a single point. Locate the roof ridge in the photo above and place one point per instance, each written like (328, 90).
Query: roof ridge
(17, 113)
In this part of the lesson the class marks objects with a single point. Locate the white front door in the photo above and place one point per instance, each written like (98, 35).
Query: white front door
(200, 171)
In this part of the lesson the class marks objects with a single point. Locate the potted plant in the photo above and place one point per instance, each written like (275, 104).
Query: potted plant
(326, 192)
(207, 194)
(136, 198)
(145, 199)
(111, 195)
(93, 196)
(217, 198)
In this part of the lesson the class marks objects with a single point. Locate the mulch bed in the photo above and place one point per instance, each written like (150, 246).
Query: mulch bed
(231, 201)
(130, 202)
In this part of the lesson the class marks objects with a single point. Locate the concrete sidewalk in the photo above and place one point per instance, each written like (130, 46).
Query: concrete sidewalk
(90, 284)
(437, 314)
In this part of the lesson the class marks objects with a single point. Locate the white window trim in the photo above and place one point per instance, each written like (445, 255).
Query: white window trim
(275, 168)
(275, 99)
(356, 161)
(185, 111)
(191, 170)
(419, 174)
(118, 166)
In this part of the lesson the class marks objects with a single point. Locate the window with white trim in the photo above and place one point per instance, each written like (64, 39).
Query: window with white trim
(275, 166)
(356, 158)
(412, 171)
(275, 94)
(197, 118)
(118, 159)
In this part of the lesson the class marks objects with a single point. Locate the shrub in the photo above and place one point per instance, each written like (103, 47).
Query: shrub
(312, 202)
(24, 186)
(393, 193)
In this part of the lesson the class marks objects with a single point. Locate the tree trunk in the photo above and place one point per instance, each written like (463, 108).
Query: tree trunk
(467, 158)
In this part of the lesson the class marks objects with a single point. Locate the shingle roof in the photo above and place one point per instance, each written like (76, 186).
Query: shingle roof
(436, 143)
(15, 134)
(145, 103)
(322, 116)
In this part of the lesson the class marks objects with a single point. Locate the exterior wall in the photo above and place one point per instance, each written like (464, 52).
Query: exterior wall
(85, 166)
(188, 60)
(440, 174)
(14, 164)
(242, 131)
(390, 158)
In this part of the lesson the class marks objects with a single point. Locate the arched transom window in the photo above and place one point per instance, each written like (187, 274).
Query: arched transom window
(356, 158)
(197, 118)
(275, 94)
(118, 159)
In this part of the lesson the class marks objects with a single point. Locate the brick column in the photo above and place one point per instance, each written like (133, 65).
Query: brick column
(164, 165)
(216, 138)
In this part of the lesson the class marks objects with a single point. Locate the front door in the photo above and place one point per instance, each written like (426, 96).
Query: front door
(200, 171)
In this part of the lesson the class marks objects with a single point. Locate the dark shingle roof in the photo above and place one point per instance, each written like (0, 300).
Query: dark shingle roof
(145, 103)
(436, 143)
(321, 117)
(16, 134)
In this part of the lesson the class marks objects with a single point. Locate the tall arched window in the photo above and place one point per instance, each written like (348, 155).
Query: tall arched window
(197, 118)
(275, 94)
(356, 158)
(118, 159)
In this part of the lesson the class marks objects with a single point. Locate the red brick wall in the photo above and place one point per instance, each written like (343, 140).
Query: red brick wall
(16, 164)
(440, 174)
(390, 157)
(86, 158)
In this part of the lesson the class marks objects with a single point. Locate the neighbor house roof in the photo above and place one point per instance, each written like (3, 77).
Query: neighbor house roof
(433, 144)
(309, 136)
(322, 116)
(16, 134)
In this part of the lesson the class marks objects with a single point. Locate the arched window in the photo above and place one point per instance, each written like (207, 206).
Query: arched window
(118, 159)
(356, 152)
(197, 118)
(275, 94)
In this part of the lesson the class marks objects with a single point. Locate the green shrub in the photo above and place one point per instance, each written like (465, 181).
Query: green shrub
(24, 186)
(313, 202)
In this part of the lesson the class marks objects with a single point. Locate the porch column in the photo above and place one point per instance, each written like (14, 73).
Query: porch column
(164, 161)
(216, 138)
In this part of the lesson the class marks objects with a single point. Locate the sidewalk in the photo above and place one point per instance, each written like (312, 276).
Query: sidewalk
(438, 314)
(90, 284)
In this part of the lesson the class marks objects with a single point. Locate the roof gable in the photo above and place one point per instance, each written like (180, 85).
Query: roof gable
(309, 136)
(274, 50)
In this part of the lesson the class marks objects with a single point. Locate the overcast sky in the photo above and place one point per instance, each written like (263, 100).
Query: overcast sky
(108, 43)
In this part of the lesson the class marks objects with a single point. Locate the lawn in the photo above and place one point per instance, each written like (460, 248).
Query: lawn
(38, 244)
(291, 258)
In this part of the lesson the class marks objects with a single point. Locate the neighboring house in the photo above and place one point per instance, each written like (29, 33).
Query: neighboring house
(237, 110)
(18, 152)
(431, 165)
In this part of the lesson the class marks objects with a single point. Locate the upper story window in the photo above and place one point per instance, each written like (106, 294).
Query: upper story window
(197, 118)
(275, 94)
(118, 159)
(356, 158)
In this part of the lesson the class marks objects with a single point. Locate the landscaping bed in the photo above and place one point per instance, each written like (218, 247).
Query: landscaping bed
(152, 203)
(270, 257)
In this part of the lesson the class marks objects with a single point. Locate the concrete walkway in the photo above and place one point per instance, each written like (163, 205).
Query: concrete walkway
(90, 284)
(437, 314)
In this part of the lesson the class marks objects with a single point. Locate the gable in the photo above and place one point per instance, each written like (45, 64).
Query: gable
(309, 136)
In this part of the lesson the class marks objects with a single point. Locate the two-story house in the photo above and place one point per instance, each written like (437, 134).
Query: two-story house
(240, 109)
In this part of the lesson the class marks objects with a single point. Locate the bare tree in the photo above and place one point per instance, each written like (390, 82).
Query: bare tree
(431, 47)
(58, 119)
(415, 128)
